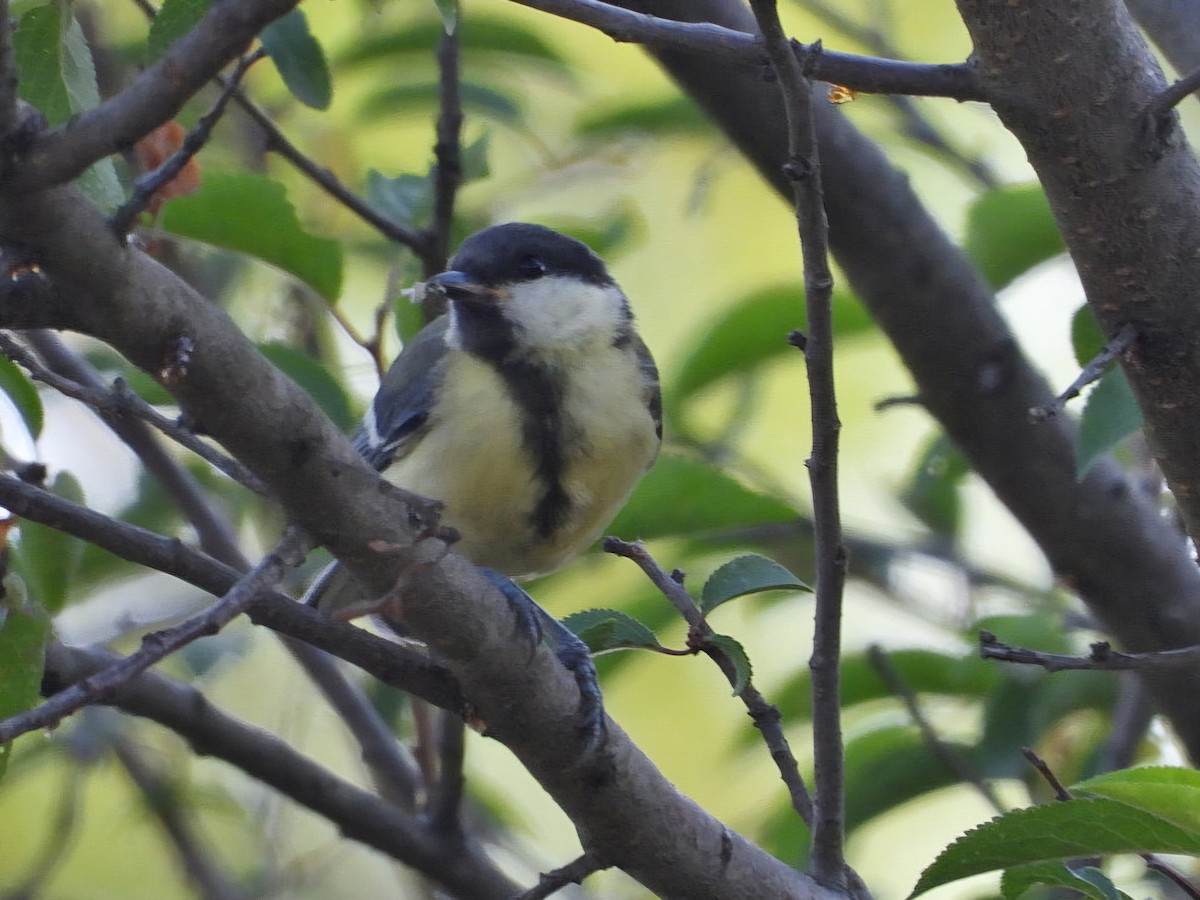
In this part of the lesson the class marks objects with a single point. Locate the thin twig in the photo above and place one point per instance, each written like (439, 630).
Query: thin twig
(862, 73)
(1103, 657)
(951, 758)
(1095, 368)
(447, 151)
(765, 716)
(1153, 862)
(572, 873)
(9, 94)
(827, 857)
(288, 553)
(1170, 97)
(445, 805)
(151, 183)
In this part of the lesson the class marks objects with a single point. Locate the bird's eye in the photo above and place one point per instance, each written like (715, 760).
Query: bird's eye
(531, 267)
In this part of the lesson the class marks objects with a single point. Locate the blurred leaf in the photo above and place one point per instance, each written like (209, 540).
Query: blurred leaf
(1090, 882)
(924, 671)
(478, 38)
(20, 390)
(48, 559)
(608, 234)
(175, 19)
(99, 181)
(475, 159)
(672, 115)
(1087, 340)
(251, 214)
(418, 98)
(299, 58)
(754, 331)
(314, 379)
(681, 496)
(933, 490)
(37, 51)
(1110, 415)
(737, 655)
(406, 199)
(605, 630)
(24, 630)
(747, 574)
(1059, 830)
(888, 767)
(1009, 231)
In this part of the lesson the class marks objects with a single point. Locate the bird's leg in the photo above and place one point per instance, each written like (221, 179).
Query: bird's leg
(538, 626)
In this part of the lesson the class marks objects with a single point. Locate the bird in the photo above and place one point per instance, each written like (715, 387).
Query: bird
(530, 409)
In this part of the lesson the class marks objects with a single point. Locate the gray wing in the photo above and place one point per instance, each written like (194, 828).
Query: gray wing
(401, 407)
(653, 393)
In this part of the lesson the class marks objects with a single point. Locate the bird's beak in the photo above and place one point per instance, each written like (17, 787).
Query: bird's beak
(458, 286)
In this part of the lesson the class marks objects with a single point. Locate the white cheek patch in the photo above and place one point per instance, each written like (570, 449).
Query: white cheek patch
(565, 314)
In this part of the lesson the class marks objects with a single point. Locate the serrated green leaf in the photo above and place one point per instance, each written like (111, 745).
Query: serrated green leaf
(754, 331)
(933, 492)
(672, 115)
(101, 184)
(1090, 882)
(300, 59)
(408, 98)
(314, 379)
(737, 655)
(24, 630)
(175, 19)
(1110, 415)
(1171, 794)
(605, 630)
(744, 575)
(37, 50)
(24, 396)
(681, 496)
(46, 558)
(251, 214)
(1009, 231)
(1080, 827)
(405, 199)
(78, 68)
(1087, 339)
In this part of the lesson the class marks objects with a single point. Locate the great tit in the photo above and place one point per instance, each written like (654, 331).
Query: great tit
(530, 409)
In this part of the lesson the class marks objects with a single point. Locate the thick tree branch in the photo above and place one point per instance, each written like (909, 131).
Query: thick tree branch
(1100, 535)
(154, 97)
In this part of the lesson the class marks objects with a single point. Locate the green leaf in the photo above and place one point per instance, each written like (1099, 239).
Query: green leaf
(475, 159)
(888, 767)
(754, 331)
(1110, 415)
(1009, 231)
(1087, 340)
(314, 379)
(78, 68)
(1090, 882)
(251, 214)
(24, 630)
(47, 558)
(737, 655)
(450, 13)
(681, 496)
(605, 630)
(1171, 794)
(673, 115)
(933, 493)
(747, 574)
(1080, 827)
(175, 19)
(37, 50)
(409, 98)
(405, 199)
(24, 396)
(299, 58)
(479, 39)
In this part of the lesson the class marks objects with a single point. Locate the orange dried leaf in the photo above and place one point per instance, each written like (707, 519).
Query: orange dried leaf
(156, 148)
